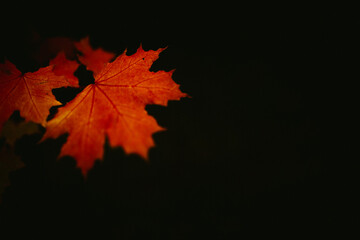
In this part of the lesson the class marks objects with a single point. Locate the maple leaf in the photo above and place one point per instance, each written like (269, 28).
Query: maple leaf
(49, 47)
(94, 60)
(30, 93)
(114, 106)
(66, 68)
(13, 131)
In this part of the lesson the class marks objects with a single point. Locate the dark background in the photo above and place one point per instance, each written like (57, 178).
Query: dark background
(262, 147)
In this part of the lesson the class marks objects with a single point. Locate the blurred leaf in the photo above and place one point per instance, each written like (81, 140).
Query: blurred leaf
(12, 131)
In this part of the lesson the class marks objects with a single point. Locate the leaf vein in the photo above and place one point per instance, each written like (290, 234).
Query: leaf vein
(31, 98)
(130, 65)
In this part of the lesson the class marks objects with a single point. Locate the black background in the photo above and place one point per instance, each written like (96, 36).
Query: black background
(262, 147)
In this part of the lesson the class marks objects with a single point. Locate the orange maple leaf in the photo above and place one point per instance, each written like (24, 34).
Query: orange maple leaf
(114, 106)
(94, 60)
(66, 68)
(30, 93)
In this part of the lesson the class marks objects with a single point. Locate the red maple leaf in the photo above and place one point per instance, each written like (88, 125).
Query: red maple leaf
(30, 93)
(49, 47)
(114, 106)
(66, 68)
(94, 60)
